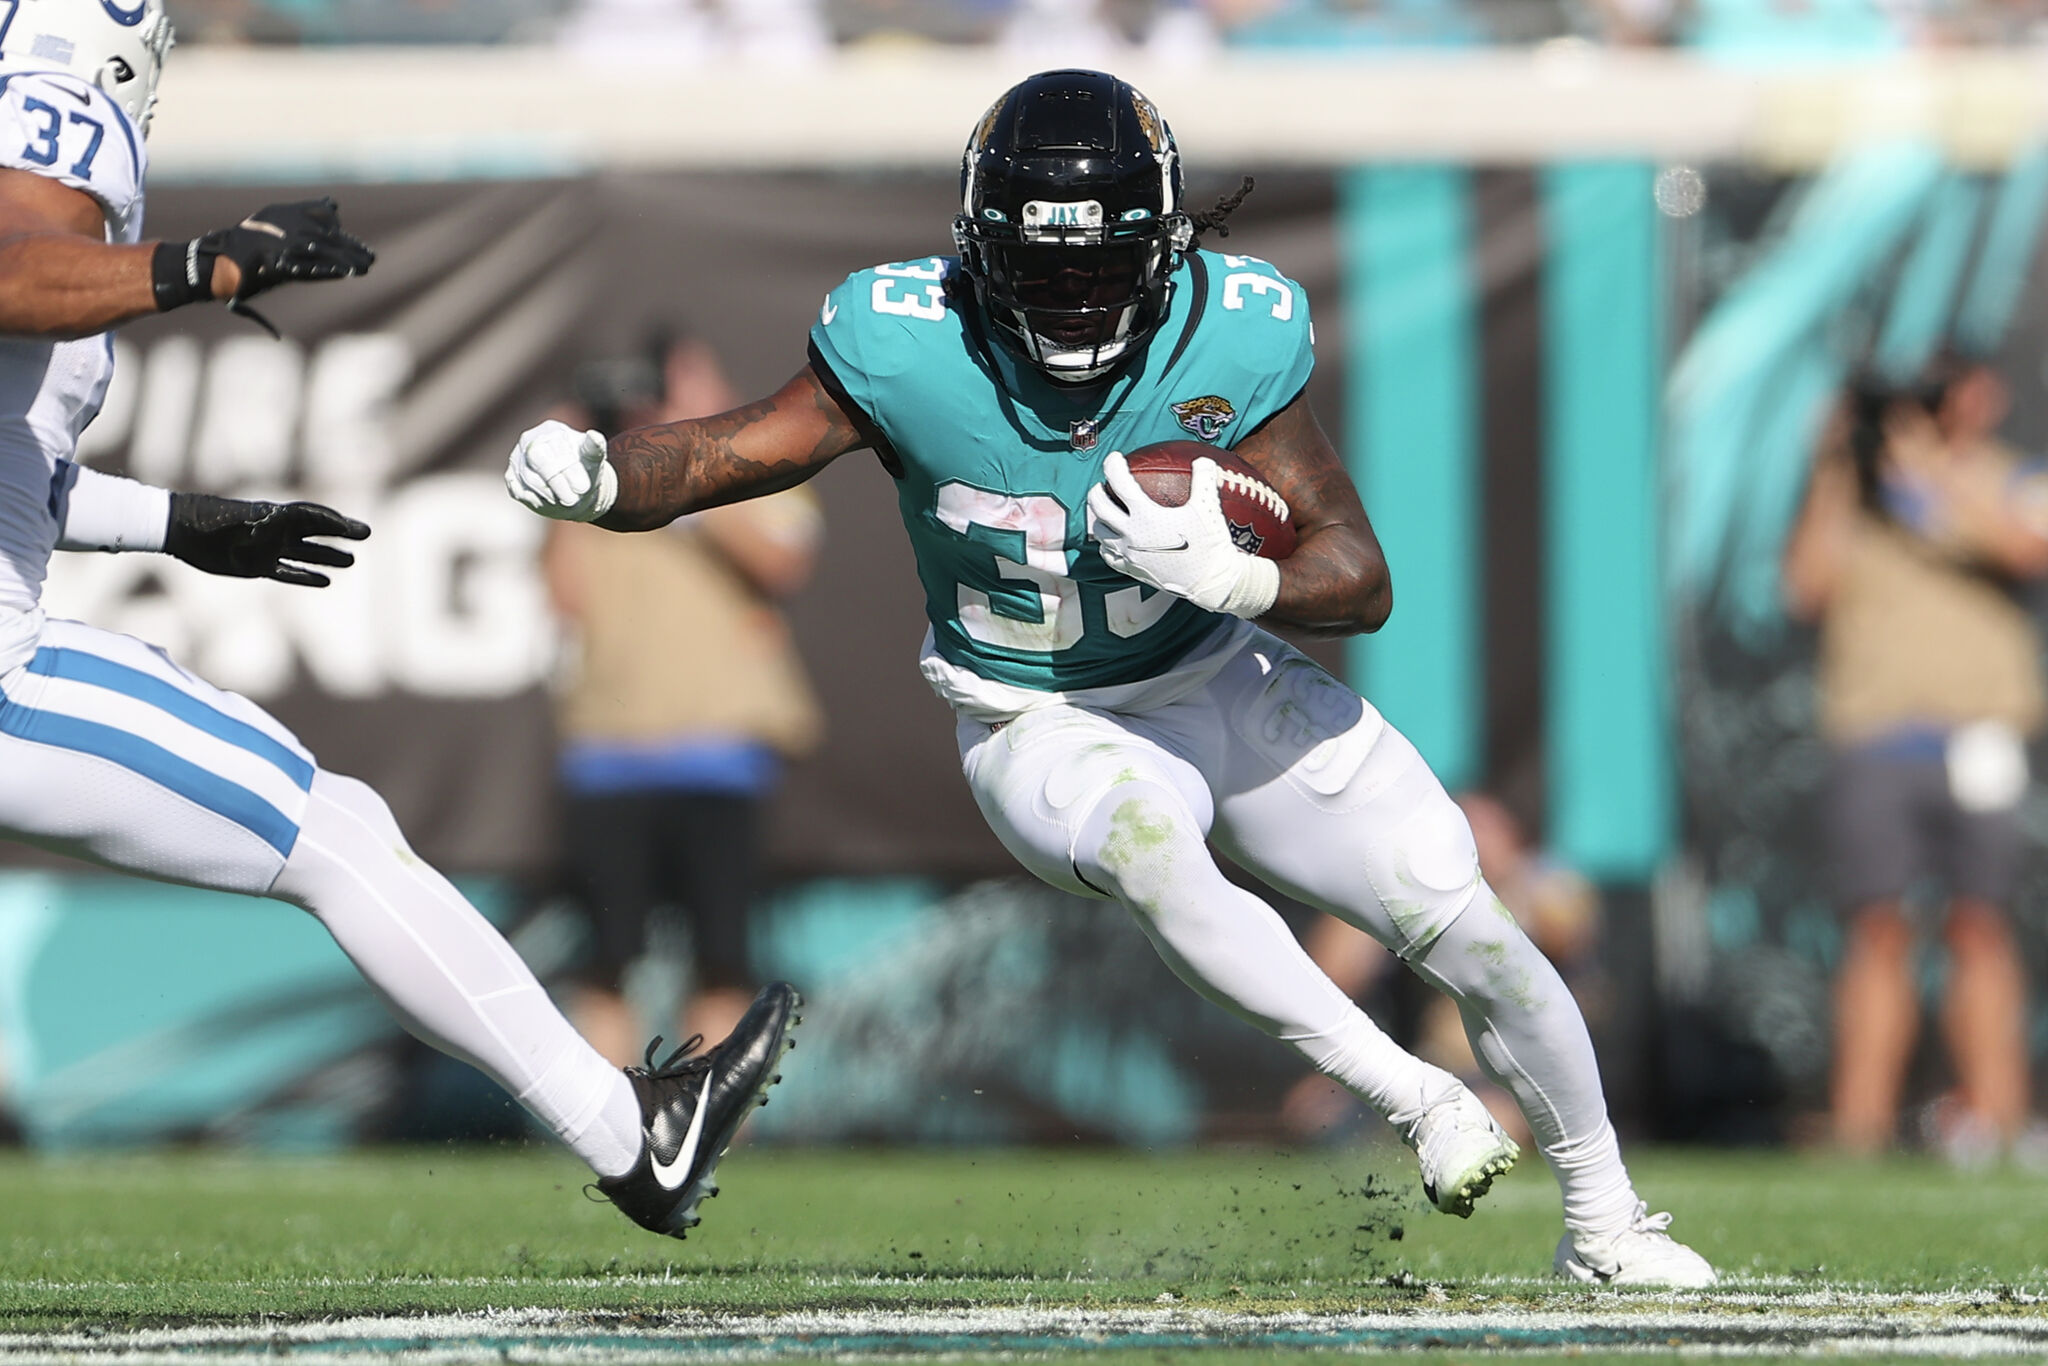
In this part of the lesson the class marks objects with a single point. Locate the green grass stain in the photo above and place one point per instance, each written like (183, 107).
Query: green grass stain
(1136, 829)
(1515, 986)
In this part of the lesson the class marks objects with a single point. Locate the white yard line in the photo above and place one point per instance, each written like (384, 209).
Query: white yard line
(1840, 1324)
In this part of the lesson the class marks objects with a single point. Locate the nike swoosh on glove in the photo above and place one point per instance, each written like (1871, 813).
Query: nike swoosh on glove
(562, 473)
(1185, 550)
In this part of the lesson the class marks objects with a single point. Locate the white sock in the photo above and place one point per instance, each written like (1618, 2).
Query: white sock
(1530, 1038)
(1598, 1196)
(448, 975)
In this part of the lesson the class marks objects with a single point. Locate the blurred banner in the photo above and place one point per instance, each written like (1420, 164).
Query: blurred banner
(396, 398)
(1493, 345)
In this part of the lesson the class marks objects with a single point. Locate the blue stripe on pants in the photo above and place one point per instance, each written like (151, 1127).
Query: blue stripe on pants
(100, 672)
(225, 799)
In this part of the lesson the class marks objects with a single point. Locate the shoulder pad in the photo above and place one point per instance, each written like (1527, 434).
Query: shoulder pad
(1250, 285)
(63, 127)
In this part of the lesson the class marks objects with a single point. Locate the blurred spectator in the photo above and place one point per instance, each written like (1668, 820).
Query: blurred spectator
(1326, 24)
(1049, 33)
(647, 32)
(363, 21)
(1769, 29)
(1100, 30)
(684, 698)
(1917, 526)
(1555, 906)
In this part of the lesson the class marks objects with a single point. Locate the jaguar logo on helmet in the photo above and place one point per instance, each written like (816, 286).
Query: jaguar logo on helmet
(987, 126)
(1149, 121)
(1206, 416)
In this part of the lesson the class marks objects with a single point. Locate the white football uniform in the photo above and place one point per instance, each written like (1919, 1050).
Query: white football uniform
(108, 750)
(1294, 775)
(111, 752)
(1247, 745)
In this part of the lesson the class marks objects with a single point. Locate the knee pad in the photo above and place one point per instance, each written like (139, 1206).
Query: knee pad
(1135, 839)
(1425, 869)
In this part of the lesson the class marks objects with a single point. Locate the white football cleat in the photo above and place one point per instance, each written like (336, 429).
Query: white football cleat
(1461, 1150)
(1641, 1254)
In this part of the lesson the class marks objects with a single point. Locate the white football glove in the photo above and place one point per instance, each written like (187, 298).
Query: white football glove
(562, 473)
(1186, 551)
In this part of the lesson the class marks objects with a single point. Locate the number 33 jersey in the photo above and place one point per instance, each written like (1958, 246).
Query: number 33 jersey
(55, 125)
(993, 461)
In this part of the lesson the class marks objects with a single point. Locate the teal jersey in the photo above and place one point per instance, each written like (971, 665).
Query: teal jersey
(993, 461)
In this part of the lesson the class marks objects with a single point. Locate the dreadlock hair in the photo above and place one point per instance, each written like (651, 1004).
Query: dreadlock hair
(1225, 207)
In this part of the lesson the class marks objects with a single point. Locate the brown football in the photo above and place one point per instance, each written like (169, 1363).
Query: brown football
(1257, 514)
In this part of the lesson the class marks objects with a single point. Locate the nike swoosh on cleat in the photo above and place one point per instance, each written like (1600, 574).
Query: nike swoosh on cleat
(679, 1169)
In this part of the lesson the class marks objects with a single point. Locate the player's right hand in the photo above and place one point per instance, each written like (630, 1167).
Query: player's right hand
(562, 473)
(283, 242)
(276, 244)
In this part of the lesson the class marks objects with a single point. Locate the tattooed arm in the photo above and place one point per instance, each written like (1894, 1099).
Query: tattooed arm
(678, 467)
(1336, 582)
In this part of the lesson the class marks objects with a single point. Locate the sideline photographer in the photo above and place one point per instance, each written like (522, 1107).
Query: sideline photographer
(1919, 525)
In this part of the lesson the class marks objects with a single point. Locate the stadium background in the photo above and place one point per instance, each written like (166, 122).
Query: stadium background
(1577, 308)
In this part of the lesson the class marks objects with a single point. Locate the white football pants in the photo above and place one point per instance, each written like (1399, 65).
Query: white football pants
(112, 753)
(1304, 784)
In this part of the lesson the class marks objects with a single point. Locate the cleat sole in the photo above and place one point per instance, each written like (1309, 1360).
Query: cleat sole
(1466, 1197)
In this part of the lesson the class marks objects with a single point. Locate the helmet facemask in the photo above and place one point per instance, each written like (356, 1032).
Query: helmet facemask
(1075, 301)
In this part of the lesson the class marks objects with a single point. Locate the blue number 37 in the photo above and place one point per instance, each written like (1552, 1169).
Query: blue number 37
(42, 143)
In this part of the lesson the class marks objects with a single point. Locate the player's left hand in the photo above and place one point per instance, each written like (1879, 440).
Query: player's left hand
(255, 540)
(1185, 550)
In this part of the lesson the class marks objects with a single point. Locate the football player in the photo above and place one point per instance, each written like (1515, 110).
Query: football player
(1118, 708)
(110, 751)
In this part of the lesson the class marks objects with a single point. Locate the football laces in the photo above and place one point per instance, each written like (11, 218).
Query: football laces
(1258, 491)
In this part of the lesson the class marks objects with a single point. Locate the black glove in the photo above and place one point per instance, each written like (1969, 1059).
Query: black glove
(250, 540)
(275, 244)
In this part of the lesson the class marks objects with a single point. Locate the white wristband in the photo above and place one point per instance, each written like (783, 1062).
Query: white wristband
(106, 512)
(607, 491)
(1258, 588)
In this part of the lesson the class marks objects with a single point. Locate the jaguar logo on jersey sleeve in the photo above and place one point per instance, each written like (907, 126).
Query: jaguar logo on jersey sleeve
(1206, 416)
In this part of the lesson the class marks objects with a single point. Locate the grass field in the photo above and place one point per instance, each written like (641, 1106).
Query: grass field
(1229, 1254)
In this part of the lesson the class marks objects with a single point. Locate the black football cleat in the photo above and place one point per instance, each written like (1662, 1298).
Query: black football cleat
(692, 1105)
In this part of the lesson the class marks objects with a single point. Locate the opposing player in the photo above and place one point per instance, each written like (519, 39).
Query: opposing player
(110, 751)
(1117, 707)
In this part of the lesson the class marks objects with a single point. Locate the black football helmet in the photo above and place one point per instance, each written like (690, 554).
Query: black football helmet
(1070, 222)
